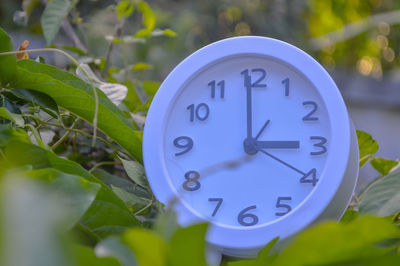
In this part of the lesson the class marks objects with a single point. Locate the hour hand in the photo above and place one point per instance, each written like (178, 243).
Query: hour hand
(277, 144)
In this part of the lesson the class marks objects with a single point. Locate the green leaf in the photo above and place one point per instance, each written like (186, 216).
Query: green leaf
(9, 134)
(76, 96)
(113, 247)
(32, 225)
(8, 65)
(16, 118)
(151, 87)
(367, 146)
(85, 256)
(382, 197)
(53, 16)
(187, 246)
(116, 181)
(79, 191)
(135, 172)
(29, 5)
(141, 66)
(263, 258)
(349, 216)
(166, 32)
(383, 166)
(166, 224)
(124, 9)
(149, 20)
(148, 248)
(38, 98)
(107, 215)
(131, 200)
(336, 243)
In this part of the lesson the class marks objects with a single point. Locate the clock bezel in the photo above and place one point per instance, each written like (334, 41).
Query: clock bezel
(319, 198)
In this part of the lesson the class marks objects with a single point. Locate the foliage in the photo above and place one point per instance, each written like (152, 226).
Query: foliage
(71, 197)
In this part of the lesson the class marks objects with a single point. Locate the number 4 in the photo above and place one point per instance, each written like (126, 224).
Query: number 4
(310, 177)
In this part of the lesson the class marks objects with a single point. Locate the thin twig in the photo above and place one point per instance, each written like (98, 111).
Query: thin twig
(103, 163)
(63, 138)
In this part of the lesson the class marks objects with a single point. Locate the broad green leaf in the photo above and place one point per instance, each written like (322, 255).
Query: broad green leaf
(113, 247)
(16, 118)
(367, 146)
(336, 243)
(76, 96)
(79, 191)
(148, 248)
(187, 246)
(85, 256)
(131, 200)
(53, 16)
(135, 172)
(124, 9)
(38, 98)
(33, 221)
(132, 100)
(107, 215)
(382, 197)
(8, 66)
(166, 224)
(383, 166)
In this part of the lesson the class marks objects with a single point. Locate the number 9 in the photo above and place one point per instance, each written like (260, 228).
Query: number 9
(183, 142)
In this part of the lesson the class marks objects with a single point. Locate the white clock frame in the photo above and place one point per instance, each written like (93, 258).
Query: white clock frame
(331, 195)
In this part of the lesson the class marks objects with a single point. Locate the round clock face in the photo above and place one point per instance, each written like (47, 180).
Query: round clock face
(246, 140)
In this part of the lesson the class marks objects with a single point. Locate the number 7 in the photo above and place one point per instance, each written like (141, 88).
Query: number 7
(219, 200)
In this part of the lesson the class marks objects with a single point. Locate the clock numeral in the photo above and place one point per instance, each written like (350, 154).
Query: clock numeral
(310, 177)
(221, 86)
(314, 107)
(183, 142)
(219, 202)
(200, 111)
(279, 204)
(286, 83)
(191, 183)
(320, 145)
(247, 219)
(257, 83)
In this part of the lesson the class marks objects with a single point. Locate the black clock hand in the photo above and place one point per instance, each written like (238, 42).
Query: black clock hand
(247, 84)
(282, 162)
(277, 144)
(262, 129)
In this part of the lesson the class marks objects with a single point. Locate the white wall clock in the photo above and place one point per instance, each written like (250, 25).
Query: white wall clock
(252, 135)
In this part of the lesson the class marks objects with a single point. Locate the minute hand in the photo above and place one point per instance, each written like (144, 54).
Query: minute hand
(277, 144)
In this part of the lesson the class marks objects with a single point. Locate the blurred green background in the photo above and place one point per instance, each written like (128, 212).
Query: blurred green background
(357, 41)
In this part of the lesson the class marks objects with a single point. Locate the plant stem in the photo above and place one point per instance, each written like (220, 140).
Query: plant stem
(103, 163)
(61, 140)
